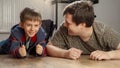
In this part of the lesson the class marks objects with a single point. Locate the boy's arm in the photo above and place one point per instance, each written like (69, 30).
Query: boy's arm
(41, 48)
(16, 47)
(54, 51)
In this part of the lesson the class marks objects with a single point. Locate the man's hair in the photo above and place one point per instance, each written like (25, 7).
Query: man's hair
(81, 11)
(29, 14)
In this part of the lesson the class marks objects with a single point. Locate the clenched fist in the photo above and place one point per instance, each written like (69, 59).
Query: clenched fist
(73, 53)
(39, 49)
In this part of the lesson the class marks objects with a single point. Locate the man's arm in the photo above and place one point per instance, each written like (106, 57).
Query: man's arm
(54, 51)
(100, 55)
(115, 54)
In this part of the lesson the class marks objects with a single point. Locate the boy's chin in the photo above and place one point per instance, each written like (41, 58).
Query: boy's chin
(30, 35)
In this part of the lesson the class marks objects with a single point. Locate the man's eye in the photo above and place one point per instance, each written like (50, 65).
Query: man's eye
(68, 24)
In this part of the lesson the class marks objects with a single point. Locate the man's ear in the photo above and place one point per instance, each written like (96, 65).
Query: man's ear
(21, 24)
(83, 24)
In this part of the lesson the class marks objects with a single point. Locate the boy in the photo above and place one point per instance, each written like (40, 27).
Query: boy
(26, 37)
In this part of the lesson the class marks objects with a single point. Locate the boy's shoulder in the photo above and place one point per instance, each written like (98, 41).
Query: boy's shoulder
(16, 28)
(17, 31)
(41, 34)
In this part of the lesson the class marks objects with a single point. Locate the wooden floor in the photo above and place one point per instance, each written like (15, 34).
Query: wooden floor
(51, 62)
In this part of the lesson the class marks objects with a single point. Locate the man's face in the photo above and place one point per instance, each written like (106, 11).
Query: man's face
(73, 29)
(31, 27)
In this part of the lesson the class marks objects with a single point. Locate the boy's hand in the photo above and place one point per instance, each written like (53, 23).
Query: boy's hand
(73, 53)
(39, 49)
(22, 51)
(100, 55)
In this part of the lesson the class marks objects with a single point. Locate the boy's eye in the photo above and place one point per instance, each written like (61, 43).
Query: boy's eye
(36, 25)
(28, 25)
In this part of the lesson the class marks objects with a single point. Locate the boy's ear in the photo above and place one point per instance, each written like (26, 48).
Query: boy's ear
(21, 24)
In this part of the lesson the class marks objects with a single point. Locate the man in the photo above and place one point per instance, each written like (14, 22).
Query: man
(80, 34)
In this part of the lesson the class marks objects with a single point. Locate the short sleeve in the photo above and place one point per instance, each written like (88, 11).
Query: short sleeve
(111, 37)
(59, 37)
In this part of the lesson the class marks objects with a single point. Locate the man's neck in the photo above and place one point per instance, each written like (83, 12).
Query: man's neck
(87, 33)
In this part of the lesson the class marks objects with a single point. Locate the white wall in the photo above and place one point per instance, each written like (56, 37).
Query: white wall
(107, 11)
(10, 11)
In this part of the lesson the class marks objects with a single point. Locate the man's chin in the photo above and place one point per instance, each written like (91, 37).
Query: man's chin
(70, 34)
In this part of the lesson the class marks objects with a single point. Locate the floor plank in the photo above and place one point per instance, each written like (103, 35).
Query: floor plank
(51, 62)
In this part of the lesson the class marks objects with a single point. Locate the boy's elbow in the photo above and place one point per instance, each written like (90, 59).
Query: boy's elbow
(18, 53)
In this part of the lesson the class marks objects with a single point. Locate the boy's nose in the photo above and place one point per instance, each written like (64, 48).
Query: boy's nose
(32, 28)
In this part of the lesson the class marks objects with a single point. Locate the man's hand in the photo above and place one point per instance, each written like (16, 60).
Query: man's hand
(100, 55)
(73, 53)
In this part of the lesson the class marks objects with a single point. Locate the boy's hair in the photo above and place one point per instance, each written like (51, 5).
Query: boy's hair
(81, 11)
(29, 14)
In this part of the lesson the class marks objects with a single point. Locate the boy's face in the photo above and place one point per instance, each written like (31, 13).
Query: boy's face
(31, 27)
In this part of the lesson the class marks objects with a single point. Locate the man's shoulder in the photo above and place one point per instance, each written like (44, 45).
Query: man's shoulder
(62, 29)
(99, 27)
